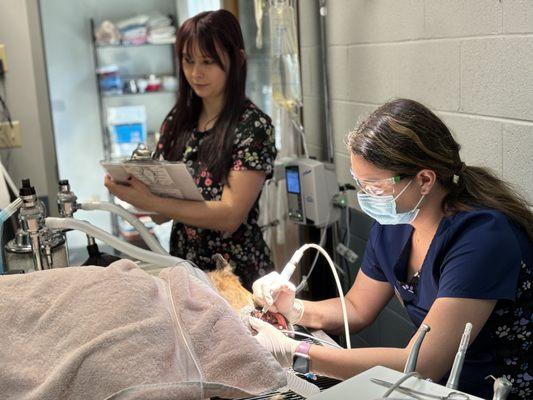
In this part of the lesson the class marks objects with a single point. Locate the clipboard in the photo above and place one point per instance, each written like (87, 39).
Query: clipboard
(167, 179)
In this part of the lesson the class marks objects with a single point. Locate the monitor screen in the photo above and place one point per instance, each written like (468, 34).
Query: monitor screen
(293, 179)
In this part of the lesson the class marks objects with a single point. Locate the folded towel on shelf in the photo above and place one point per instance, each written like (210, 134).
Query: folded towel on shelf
(92, 332)
(161, 40)
(162, 35)
(139, 20)
(135, 35)
(158, 21)
(164, 40)
(163, 31)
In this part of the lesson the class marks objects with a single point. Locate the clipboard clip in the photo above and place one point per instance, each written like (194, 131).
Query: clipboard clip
(141, 153)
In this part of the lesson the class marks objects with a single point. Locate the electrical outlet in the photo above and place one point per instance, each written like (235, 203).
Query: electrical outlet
(3, 57)
(10, 136)
(348, 254)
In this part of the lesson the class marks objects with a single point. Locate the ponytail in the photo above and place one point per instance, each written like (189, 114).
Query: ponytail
(477, 186)
(404, 136)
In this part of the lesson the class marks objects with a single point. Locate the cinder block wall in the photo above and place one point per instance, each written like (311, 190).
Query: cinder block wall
(471, 61)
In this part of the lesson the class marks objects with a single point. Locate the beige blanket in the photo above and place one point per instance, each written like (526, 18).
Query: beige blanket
(97, 333)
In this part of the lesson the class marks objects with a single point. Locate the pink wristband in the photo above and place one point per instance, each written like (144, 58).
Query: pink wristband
(303, 349)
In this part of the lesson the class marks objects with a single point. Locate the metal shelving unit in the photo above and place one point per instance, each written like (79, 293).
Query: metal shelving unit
(134, 61)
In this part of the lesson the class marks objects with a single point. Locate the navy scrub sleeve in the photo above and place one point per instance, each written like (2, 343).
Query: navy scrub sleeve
(478, 254)
(484, 260)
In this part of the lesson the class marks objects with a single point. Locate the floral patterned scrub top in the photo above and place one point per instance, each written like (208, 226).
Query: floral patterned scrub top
(479, 254)
(254, 149)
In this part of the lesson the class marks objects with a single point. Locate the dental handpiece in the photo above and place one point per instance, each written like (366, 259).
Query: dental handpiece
(502, 388)
(455, 373)
(287, 272)
(410, 365)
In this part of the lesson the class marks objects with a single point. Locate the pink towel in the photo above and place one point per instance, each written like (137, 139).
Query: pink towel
(91, 333)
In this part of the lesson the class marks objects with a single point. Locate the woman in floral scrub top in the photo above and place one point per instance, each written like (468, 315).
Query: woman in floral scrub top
(227, 144)
(254, 149)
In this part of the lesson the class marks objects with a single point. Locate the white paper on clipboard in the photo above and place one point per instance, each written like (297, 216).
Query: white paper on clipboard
(166, 179)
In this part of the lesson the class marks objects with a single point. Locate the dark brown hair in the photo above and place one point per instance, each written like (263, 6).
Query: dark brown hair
(404, 136)
(210, 30)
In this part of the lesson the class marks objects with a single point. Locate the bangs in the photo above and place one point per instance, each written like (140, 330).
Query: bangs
(201, 36)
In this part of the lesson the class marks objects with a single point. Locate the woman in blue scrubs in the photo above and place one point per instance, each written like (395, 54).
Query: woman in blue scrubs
(452, 242)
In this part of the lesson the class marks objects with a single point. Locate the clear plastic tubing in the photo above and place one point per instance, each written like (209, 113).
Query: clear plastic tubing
(150, 240)
(4, 216)
(10, 209)
(126, 248)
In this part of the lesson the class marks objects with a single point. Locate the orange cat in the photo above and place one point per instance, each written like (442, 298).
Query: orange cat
(230, 288)
(228, 284)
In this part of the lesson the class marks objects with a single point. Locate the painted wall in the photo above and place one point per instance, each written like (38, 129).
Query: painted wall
(73, 90)
(27, 98)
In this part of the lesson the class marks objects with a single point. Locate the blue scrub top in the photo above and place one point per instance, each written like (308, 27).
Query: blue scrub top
(477, 254)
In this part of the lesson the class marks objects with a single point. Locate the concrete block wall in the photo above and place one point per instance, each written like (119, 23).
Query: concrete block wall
(468, 60)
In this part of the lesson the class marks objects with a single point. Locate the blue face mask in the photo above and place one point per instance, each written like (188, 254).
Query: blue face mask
(383, 208)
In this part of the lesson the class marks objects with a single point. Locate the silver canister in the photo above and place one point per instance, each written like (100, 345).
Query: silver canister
(19, 254)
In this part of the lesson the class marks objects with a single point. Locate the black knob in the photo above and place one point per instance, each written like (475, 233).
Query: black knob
(26, 189)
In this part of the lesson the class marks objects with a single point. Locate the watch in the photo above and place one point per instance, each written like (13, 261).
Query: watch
(301, 360)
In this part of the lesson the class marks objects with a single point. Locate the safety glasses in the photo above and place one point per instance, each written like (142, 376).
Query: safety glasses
(378, 187)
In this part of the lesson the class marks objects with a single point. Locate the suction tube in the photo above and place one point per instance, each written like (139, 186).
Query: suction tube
(126, 248)
(148, 238)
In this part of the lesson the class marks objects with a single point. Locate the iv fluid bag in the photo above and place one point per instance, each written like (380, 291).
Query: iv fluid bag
(286, 83)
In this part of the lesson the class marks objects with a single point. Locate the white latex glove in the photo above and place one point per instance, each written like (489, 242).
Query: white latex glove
(281, 347)
(279, 294)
